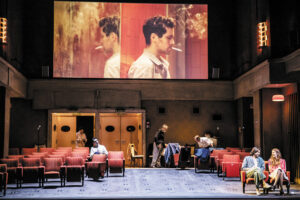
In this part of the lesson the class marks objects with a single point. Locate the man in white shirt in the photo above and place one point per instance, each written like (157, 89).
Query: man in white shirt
(110, 43)
(159, 35)
(97, 148)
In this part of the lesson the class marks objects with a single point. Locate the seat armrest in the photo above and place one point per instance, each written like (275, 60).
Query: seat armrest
(243, 176)
(266, 173)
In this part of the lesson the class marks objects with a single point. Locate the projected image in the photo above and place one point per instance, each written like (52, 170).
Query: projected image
(129, 40)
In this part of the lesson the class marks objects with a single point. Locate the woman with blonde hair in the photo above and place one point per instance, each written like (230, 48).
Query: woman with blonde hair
(277, 169)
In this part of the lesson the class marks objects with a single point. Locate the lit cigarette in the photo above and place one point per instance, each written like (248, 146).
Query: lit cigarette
(177, 49)
(99, 47)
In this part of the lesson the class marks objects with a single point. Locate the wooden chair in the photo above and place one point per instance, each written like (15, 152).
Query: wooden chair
(133, 156)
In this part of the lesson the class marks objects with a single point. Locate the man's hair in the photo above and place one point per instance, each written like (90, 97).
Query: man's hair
(254, 150)
(157, 25)
(110, 25)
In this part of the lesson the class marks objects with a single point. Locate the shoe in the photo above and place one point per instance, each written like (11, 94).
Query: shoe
(266, 185)
(281, 192)
(257, 192)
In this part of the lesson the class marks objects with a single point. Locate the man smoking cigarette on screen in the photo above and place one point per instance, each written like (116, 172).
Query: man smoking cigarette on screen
(110, 44)
(159, 35)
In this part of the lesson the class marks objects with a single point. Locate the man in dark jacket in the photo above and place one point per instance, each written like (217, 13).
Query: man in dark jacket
(158, 145)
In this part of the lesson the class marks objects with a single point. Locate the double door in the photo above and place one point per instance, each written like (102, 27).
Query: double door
(118, 130)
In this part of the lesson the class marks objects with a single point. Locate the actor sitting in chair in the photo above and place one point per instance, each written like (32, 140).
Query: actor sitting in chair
(97, 148)
(254, 166)
(202, 147)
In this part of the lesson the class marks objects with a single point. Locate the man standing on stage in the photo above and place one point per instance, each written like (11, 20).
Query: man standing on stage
(159, 35)
(158, 145)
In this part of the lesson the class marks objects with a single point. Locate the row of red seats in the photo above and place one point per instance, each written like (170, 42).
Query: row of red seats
(233, 159)
(63, 164)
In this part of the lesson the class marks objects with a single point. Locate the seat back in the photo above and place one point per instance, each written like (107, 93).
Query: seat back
(69, 149)
(47, 149)
(61, 156)
(28, 151)
(99, 158)
(53, 164)
(220, 155)
(81, 154)
(243, 155)
(39, 157)
(231, 158)
(31, 162)
(70, 161)
(14, 151)
(115, 155)
(19, 157)
(115, 159)
(13, 162)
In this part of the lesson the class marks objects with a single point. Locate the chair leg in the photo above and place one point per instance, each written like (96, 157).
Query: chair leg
(288, 188)
(244, 184)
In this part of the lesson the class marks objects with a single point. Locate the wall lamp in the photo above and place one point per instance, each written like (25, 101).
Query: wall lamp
(3, 30)
(277, 98)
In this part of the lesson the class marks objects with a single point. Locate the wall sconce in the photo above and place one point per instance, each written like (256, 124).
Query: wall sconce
(3, 30)
(277, 98)
(262, 34)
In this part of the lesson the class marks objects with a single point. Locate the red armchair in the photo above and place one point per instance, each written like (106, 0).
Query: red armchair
(31, 172)
(12, 165)
(115, 162)
(219, 161)
(74, 170)
(3, 178)
(96, 168)
(54, 169)
(246, 180)
(231, 166)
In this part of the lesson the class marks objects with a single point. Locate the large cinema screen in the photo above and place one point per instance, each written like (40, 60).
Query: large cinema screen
(130, 40)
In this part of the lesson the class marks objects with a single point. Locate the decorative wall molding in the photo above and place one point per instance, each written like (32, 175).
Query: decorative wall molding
(12, 79)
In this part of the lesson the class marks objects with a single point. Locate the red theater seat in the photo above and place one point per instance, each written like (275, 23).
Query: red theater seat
(31, 171)
(115, 162)
(74, 170)
(231, 166)
(246, 180)
(97, 167)
(54, 169)
(12, 165)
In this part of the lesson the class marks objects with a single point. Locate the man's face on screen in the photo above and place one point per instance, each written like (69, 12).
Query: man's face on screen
(166, 42)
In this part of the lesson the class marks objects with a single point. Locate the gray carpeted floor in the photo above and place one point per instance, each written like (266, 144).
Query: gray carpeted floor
(145, 183)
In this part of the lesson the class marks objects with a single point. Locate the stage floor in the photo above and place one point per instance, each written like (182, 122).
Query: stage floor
(146, 183)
